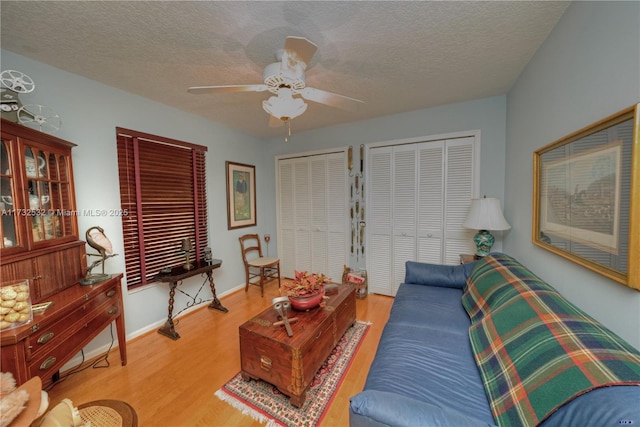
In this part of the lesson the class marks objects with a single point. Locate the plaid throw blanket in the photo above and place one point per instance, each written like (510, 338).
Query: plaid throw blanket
(535, 350)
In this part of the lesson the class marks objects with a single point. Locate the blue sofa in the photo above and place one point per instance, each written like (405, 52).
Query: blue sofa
(425, 372)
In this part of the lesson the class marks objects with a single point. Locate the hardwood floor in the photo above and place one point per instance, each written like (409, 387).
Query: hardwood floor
(172, 383)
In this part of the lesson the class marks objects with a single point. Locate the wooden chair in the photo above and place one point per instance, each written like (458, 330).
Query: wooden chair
(264, 269)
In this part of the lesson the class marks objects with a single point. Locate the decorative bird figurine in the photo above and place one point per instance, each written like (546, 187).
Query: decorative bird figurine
(97, 240)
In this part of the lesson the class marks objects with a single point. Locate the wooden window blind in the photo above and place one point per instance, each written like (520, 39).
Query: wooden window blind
(163, 192)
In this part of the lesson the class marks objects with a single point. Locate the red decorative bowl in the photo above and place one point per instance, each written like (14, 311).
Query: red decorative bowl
(307, 302)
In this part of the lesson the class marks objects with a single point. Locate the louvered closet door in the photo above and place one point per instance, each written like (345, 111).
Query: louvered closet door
(318, 214)
(312, 214)
(337, 220)
(286, 238)
(403, 210)
(379, 227)
(459, 187)
(302, 211)
(431, 162)
(419, 196)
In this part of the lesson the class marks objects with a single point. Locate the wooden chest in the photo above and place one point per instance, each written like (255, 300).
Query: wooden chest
(290, 363)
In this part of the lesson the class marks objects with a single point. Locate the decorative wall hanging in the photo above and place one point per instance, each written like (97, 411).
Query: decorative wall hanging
(586, 197)
(358, 223)
(241, 195)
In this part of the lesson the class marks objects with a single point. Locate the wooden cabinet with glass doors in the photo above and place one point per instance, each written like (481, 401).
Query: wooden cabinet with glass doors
(40, 243)
(39, 228)
(38, 207)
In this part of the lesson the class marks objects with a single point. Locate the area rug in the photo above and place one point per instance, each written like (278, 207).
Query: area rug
(265, 403)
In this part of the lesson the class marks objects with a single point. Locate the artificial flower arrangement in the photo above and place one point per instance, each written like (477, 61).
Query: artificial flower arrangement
(305, 284)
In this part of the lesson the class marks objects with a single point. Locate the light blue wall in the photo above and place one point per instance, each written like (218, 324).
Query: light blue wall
(90, 112)
(587, 69)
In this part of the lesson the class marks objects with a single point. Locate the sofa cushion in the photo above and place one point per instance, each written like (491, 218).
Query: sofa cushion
(430, 306)
(494, 281)
(448, 276)
(429, 365)
(390, 409)
(611, 406)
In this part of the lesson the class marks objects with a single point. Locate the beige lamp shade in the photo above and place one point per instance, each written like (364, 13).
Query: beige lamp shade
(486, 214)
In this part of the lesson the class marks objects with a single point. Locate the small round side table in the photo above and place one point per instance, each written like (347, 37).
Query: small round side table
(108, 413)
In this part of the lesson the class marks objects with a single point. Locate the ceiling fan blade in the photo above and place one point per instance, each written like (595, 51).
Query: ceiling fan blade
(331, 99)
(304, 49)
(275, 122)
(227, 89)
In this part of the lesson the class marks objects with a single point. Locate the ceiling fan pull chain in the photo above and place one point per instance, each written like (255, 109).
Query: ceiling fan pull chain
(286, 138)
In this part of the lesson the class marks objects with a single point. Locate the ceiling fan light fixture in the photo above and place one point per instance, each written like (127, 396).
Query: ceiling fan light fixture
(284, 106)
(274, 77)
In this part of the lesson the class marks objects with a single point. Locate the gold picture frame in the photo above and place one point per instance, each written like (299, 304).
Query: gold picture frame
(241, 195)
(586, 197)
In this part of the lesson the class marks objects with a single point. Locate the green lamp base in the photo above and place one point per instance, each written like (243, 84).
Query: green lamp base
(484, 241)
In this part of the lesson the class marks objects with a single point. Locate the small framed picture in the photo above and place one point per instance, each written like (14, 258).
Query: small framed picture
(241, 195)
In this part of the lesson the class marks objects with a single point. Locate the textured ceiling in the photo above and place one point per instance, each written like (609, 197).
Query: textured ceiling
(395, 56)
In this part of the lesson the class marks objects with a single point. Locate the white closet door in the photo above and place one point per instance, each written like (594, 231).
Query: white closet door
(379, 226)
(318, 214)
(302, 208)
(312, 214)
(431, 163)
(286, 248)
(403, 210)
(419, 197)
(336, 214)
(459, 186)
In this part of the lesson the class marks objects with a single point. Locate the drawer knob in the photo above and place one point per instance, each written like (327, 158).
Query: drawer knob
(48, 363)
(113, 310)
(265, 363)
(45, 338)
(111, 293)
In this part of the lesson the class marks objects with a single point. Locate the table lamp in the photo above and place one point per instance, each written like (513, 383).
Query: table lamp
(485, 214)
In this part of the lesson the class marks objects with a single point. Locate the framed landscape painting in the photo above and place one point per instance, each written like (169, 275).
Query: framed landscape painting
(241, 195)
(586, 197)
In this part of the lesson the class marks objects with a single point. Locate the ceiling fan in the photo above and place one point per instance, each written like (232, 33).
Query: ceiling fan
(285, 79)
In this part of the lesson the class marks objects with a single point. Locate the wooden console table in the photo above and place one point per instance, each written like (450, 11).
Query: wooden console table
(177, 275)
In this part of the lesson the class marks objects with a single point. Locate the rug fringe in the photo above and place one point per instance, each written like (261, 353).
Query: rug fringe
(245, 409)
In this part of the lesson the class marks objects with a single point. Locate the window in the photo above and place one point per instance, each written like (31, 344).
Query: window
(163, 192)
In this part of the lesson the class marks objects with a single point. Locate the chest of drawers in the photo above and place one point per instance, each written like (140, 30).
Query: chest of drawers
(78, 314)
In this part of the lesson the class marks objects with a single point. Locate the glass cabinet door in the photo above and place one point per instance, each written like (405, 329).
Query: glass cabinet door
(49, 194)
(9, 226)
(36, 192)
